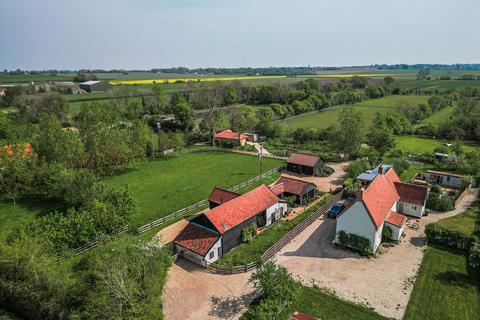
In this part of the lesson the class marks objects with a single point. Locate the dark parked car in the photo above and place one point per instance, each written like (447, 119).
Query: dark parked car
(335, 210)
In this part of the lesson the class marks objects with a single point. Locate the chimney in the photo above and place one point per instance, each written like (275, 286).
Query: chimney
(380, 169)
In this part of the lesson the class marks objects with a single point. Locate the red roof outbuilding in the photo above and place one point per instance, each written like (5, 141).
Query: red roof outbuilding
(220, 195)
(304, 159)
(197, 239)
(411, 193)
(230, 135)
(396, 219)
(294, 186)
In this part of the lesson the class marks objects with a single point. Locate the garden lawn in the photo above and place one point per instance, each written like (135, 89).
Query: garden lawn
(317, 303)
(463, 223)
(445, 289)
(368, 108)
(422, 145)
(21, 214)
(161, 187)
(251, 252)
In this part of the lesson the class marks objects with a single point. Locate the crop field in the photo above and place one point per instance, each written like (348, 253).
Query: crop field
(164, 186)
(368, 108)
(445, 288)
(438, 84)
(198, 79)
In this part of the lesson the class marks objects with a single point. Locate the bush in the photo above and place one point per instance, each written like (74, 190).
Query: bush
(436, 189)
(387, 234)
(439, 203)
(474, 255)
(438, 234)
(249, 232)
(359, 243)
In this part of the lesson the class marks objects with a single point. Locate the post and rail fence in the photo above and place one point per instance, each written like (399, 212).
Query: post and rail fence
(177, 214)
(282, 242)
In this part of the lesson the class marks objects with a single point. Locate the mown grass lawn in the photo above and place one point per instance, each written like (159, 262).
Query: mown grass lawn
(368, 108)
(251, 252)
(416, 144)
(318, 303)
(463, 223)
(445, 288)
(164, 186)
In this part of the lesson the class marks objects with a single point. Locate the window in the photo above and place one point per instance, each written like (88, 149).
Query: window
(414, 207)
(448, 178)
(211, 255)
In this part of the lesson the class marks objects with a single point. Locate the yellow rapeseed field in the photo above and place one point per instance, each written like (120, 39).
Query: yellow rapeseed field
(349, 75)
(161, 81)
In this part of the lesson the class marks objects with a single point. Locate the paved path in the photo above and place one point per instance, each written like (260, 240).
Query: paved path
(384, 283)
(257, 146)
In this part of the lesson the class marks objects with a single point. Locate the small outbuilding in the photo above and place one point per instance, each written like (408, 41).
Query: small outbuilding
(289, 187)
(306, 164)
(95, 86)
(229, 138)
(220, 196)
(444, 178)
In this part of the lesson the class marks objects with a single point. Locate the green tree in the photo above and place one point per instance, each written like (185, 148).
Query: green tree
(55, 144)
(388, 80)
(31, 107)
(380, 135)
(242, 118)
(349, 133)
(184, 116)
(16, 171)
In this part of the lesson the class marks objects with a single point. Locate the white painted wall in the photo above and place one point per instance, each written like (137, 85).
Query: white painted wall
(278, 210)
(357, 221)
(215, 252)
(198, 259)
(449, 181)
(396, 231)
(411, 209)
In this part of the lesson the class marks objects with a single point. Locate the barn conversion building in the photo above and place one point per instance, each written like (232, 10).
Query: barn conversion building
(382, 202)
(214, 233)
(444, 178)
(304, 164)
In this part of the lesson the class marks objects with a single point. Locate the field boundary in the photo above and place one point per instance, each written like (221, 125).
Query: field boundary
(202, 203)
(282, 242)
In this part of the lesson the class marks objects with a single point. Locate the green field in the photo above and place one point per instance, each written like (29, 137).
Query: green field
(463, 223)
(368, 108)
(164, 186)
(440, 117)
(315, 302)
(422, 145)
(445, 288)
(433, 85)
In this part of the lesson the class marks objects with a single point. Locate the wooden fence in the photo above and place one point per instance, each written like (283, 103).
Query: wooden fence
(282, 242)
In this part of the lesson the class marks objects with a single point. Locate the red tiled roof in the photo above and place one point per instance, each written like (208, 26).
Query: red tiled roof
(411, 193)
(396, 219)
(293, 186)
(196, 239)
(379, 198)
(278, 189)
(229, 134)
(220, 195)
(232, 213)
(392, 176)
(303, 159)
(301, 316)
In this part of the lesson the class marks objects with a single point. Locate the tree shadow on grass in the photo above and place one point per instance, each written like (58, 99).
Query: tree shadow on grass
(37, 206)
(457, 279)
(229, 307)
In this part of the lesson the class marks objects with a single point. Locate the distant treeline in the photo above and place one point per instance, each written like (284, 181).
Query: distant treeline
(267, 71)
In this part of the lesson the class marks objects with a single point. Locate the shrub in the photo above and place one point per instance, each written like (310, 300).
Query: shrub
(359, 243)
(438, 234)
(474, 255)
(436, 189)
(387, 234)
(439, 203)
(249, 232)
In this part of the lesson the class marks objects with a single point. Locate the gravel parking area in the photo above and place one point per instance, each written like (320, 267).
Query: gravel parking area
(192, 293)
(384, 283)
(325, 184)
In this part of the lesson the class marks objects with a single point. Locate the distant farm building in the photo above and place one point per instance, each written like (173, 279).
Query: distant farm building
(95, 86)
(444, 179)
(304, 164)
(229, 138)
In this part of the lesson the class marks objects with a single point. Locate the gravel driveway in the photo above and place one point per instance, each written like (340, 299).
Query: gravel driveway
(325, 184)
(193, 293)
(384, 283)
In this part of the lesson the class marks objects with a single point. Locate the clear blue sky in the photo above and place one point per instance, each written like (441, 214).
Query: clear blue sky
(67, 34)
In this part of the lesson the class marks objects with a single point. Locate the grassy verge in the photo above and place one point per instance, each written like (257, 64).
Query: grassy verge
(250, 252)
(318, 303)
(445, 288)
(416, 144)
